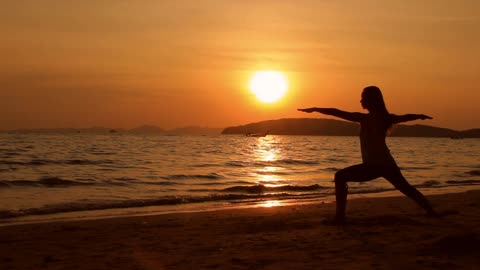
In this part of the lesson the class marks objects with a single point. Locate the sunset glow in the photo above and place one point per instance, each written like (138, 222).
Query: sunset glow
(268, 86)
(172, 64)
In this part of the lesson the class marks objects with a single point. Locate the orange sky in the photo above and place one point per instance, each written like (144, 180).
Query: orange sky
(177, 63)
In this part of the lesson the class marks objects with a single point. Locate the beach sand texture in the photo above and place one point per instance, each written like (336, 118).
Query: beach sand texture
(382, 233)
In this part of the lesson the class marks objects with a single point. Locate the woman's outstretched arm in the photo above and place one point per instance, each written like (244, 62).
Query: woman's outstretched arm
(354, 117)
(409, 117)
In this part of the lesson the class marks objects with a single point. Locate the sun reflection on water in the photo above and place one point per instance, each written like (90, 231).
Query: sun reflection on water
(272, 203)
(267, 153)
(269, 156)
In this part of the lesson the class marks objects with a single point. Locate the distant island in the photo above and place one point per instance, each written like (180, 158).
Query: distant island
(330, 127)
(141, 130)
(287, 126)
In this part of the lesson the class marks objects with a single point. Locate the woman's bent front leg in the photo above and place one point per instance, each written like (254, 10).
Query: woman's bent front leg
(355, 173)
(341, 191)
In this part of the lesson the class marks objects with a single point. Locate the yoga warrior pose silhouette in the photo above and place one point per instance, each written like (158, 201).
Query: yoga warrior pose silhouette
(377, 160)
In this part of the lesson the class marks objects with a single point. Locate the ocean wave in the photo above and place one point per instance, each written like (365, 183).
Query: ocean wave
(126, 179)
(267, 189)
(294, 161)
(272, 173)
(193, 176)
(206, 165)
(8, 169)
(103, 205)
(22, 163)
(101, 153)
(42, 162)
(261, 163)
(44, 181)
(86, 162)
(474, 173)
(331, 169)
(332, 159)
(13, 151)
(11, 154)
(463, 182)
(238, 182)
(56, 181)
(236, 194)
(203, 190)
(416, 168)
(211, 183)
(236, 164)
(49, 182)
(160, 183)
(429, 183)
(370, 190)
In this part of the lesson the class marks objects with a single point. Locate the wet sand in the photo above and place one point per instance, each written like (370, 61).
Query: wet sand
(381, 233)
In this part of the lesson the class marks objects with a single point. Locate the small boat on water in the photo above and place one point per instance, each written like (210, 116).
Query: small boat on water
(257, 134)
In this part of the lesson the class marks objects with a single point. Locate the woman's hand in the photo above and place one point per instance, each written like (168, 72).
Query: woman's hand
(307, 110)
(423, 117)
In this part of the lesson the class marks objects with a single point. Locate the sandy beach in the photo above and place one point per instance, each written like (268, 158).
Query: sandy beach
(382, 233)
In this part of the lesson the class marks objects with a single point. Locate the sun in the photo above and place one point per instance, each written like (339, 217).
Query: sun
(268, 85)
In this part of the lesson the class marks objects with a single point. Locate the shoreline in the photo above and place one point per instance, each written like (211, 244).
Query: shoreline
(86, 215)
(381, 233)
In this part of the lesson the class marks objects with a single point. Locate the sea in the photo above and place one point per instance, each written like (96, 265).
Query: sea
(48, 177)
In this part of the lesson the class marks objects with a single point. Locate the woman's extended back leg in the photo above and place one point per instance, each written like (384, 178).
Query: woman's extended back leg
(398, 181)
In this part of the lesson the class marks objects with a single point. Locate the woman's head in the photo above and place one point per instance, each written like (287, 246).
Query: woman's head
(372, 100)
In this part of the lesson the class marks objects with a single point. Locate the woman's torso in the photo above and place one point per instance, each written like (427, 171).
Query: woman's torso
(373, 129)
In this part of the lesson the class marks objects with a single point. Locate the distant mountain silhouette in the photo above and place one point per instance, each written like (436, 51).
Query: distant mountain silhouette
(196, 131)
(146, 129)
(92, 130)
(330, 127)
(298, 126)
(471, 133)
(141, 130)
(287, 126)
(421, 131)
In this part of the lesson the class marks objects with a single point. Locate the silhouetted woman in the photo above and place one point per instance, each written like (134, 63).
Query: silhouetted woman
(377, 160)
